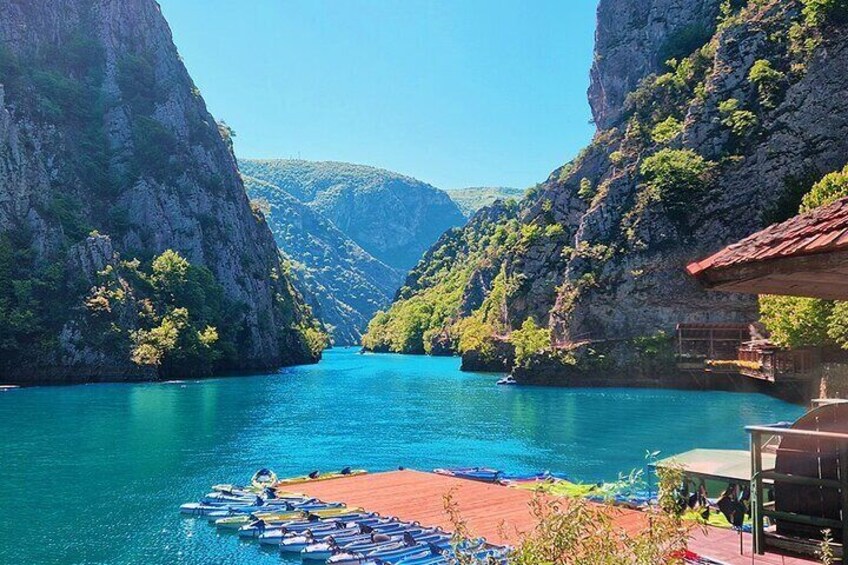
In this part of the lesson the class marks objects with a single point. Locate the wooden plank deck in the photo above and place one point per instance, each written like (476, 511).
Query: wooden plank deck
(497, 513)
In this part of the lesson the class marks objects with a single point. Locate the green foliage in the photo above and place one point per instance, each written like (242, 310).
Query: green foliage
(586, 191)
(154, 148)
(676, 173)
(659, 97)
(667, 130)
(820, 12)
(768, 81)
(831, 188)
(795, 321)
(430, 302)
(186, 324)
(30, 295)
(802, 322)
(740, 122)
(529, 339)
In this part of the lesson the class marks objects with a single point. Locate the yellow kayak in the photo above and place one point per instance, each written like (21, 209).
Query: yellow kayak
(316, 476)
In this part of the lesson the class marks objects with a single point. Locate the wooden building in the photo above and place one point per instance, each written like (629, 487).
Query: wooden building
(804, 256)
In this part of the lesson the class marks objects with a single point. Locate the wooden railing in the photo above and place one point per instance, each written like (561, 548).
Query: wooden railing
(776, 363)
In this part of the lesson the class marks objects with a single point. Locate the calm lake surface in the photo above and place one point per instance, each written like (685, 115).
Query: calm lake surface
(95, 474)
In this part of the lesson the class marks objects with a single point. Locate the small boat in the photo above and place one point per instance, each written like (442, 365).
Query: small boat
(507, 380)
(317, 476)
(7, 388)
(263, 478)
(483, 474)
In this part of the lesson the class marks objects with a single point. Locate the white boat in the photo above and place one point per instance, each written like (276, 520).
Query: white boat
(507, 380)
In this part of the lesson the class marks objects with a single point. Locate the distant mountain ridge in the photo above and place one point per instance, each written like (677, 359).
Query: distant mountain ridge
(351, 232)
(474, 198)
(342, 282)
(393, 217)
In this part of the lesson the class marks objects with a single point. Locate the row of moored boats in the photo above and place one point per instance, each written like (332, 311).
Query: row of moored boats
(328, 532)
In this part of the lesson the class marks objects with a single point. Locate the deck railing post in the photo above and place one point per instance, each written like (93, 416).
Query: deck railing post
(843, 479)
(756, 491)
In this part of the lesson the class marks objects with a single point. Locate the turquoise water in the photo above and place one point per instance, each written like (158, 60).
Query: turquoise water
(94, 474)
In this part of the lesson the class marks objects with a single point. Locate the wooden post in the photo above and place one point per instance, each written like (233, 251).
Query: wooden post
(756, 492)
(843, 478)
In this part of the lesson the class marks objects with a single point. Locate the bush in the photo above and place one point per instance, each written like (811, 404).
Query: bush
(676, 172)
(794, 321)
(740, 122)
(829, 189)
(820, 12)
(586, 191)
(767, 79)
(667, 130)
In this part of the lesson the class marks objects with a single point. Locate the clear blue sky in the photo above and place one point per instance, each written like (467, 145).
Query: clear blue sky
(453, 92)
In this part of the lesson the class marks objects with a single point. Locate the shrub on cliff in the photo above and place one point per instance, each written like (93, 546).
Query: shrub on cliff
(820, 12)
(676, 172)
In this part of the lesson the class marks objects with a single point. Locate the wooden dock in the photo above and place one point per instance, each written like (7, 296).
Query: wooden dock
(497, 513)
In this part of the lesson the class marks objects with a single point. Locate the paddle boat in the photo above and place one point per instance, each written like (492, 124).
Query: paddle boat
(263, 478)
(317, 476)
(483, 474)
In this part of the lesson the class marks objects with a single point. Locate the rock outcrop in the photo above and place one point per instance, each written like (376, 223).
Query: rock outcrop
(102, 131)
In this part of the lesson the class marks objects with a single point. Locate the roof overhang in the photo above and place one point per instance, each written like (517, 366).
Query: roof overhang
(728, 465)
(817, 275)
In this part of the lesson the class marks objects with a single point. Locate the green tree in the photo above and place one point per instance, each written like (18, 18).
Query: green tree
(737, 120)
(767, 79)
(830, 188)
(799, 322)
(529, 339)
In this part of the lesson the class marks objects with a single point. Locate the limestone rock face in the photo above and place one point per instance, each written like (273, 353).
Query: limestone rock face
(101, 128)
(634, 38)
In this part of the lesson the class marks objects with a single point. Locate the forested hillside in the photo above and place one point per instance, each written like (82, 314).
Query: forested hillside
(393, 217)
(342, 282)
(714, 119)
(351, 232)
(472, 199)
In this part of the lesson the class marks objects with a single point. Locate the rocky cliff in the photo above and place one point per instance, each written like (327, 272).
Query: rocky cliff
(108, 155)
(713, 120)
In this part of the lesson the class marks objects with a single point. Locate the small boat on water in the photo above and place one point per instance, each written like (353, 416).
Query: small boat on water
(264, 478)
(483, 474)
(7, 388)
(318, 476)
(507, 380)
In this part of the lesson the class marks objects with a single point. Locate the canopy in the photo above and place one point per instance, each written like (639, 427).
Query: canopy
(730, 465)
(804, 256)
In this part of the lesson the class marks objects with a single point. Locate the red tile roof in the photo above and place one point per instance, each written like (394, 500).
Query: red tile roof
(823, 230)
